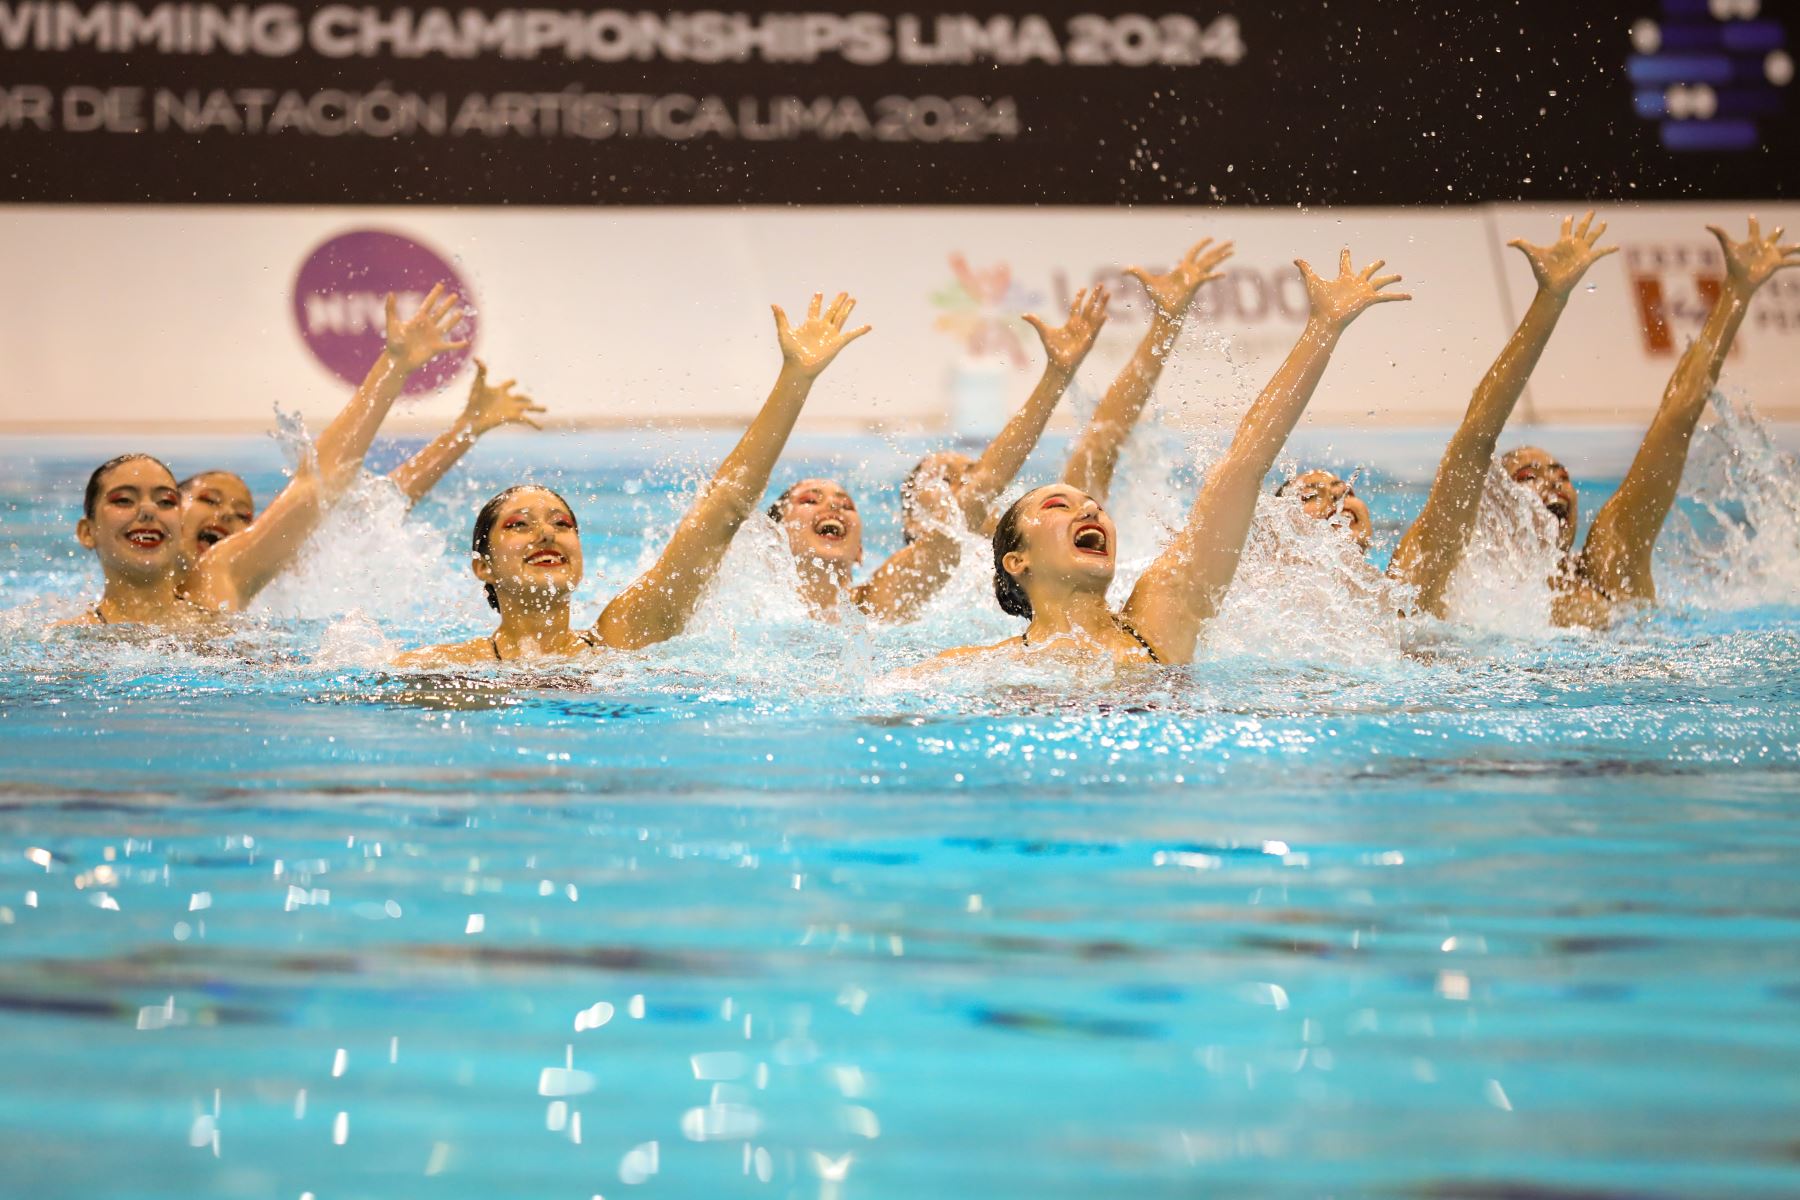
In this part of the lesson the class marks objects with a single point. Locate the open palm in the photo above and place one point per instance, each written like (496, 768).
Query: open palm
(1749, 263)
(811, 345)
(1174, 290)
(1338, 301)
(1560, 265)
(1068, 345)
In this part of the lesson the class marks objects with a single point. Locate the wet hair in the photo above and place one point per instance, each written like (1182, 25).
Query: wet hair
(194, 480)
(1009, 535)
(90, 499)
(489, 516)
(778, 510)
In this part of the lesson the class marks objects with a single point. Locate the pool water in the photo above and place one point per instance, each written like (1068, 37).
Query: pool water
(1354, 906)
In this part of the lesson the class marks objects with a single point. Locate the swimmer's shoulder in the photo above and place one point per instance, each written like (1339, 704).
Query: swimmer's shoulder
(450, 654)
(1012, 645)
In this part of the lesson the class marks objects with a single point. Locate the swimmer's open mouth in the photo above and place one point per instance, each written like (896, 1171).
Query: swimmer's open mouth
(831, 528)
(1090, 539)
(211, 535)
(547, 558)
(1559, 507)
(146, 539)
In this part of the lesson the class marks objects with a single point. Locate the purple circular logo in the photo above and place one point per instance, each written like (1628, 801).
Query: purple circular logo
(340, 303)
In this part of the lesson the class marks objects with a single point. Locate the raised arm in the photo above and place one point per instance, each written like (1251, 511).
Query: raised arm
(1183, 587)
(1095, 453)
(659, 602)
(1431, 549)
(1616, 556)
(243, 564)
(913, 574)
(489, 407)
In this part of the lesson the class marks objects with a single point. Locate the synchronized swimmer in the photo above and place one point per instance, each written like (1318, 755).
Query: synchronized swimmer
(176, 553)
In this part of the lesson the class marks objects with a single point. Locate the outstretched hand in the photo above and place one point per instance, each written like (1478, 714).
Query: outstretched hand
(1067, 346)
(493, 405)
(1749, 263)
(1560, 265)
(1338, 301)
(1174, 291)
(810, 346)
(418, 339)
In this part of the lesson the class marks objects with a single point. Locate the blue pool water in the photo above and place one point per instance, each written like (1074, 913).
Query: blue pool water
(1349, 908)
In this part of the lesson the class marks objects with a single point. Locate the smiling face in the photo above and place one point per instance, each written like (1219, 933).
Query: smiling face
(928, 494)
(214, 506)
(1324, 496)
(533, 552)
(135, 522)
(822, 524)
(1538, 470)
(1063, 540)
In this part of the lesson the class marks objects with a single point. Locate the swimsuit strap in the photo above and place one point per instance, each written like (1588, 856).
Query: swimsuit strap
(586, 637)
(1139, 639)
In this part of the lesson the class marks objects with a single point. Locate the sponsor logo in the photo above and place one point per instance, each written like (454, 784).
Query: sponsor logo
(340, 301)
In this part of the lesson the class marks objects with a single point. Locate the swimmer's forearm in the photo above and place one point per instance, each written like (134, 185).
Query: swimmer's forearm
(1633, 517)
(426, 469)
(1095, 454)
(338, 452)
(1431, 548)
(658, 603)
(1265, 428)
(1000, 463)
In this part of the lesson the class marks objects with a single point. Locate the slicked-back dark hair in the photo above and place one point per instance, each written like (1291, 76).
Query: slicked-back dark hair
(490, 514)
(1009, 535)
(90, 499)
(195, 478)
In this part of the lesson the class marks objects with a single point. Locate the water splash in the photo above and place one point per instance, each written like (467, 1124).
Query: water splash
(1735, 543)
(1502, 584)
(1304, 591)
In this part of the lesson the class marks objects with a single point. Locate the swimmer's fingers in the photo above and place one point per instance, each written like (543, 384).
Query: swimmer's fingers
(1195, 251)
(782, 329)
(1097, 302)
(1755, 230)
(1307, 273)
(1581, 230)
(1368, 272)
(812, 310)
(1344, 267)
(1037, 323)
(1603, 251)
(1217, 255)
(1384, 297)
(853, 335)
(1076, 304)
(1384, 281)
(1568, 223)
(1142, 276)
(841, 308)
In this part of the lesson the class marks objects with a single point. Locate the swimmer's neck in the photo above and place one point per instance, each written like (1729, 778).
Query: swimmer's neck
(536, 628)
(1083, 616)
(140, 601)
(823, 586)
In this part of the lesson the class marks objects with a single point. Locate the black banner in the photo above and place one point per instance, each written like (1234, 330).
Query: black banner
(1348, 102)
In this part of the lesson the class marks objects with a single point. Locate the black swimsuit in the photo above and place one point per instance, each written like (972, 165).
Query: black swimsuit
(587, 637)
